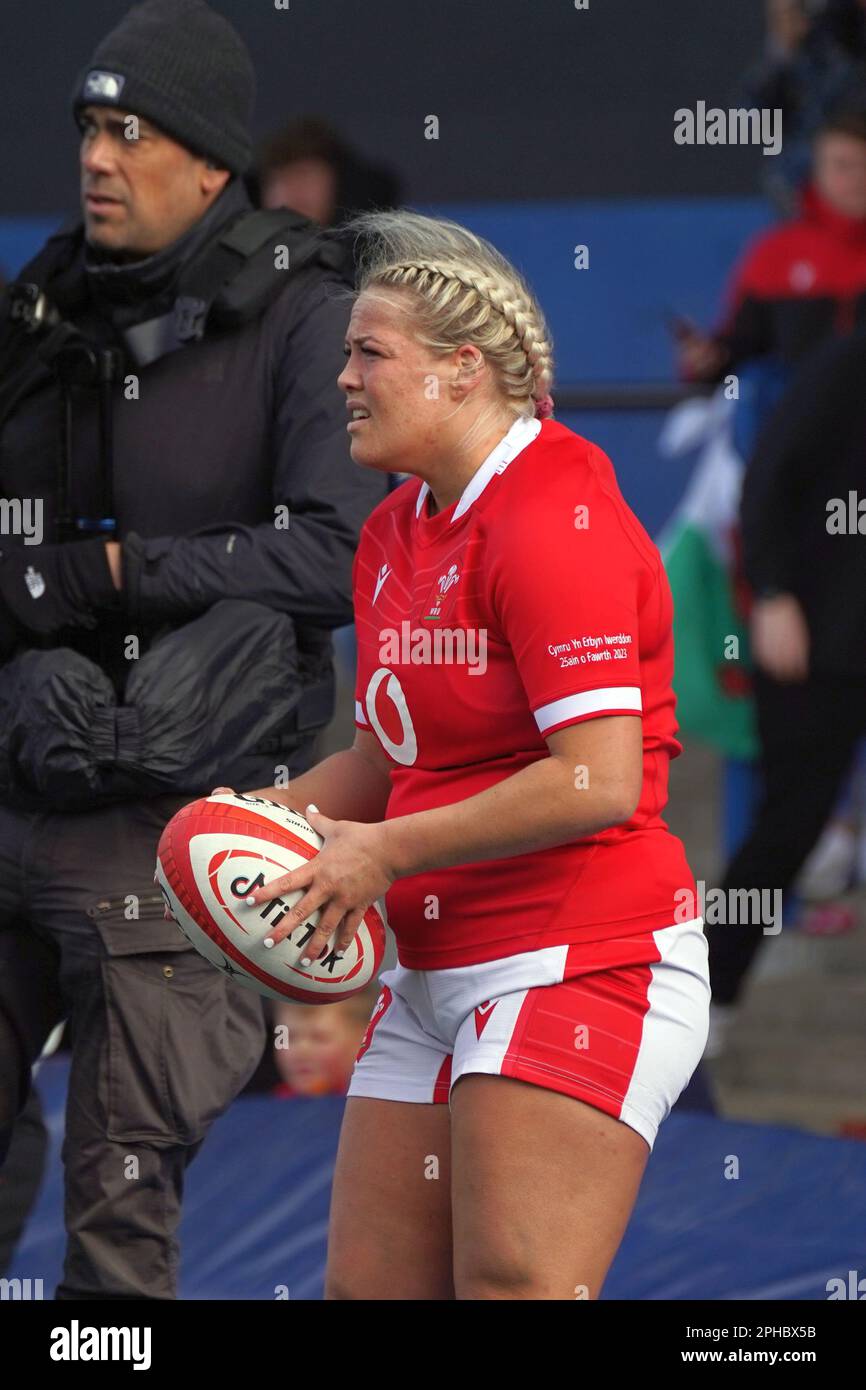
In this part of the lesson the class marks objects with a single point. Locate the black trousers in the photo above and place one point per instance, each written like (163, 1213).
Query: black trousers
(21, 1177)
(809, 733)
(161, 1041)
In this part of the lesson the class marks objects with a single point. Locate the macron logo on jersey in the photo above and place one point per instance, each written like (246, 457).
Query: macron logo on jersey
(383, 575)
(482, 1015)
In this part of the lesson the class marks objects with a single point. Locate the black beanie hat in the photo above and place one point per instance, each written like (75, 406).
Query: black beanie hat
(180, 65)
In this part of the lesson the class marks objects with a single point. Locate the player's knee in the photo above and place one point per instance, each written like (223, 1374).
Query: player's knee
(493, 1275)
(353, 1270)
(342, 1286)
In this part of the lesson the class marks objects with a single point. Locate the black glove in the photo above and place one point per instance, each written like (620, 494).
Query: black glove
(49, 587)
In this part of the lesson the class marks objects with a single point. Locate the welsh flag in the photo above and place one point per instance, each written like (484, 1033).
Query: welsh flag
(699, 547)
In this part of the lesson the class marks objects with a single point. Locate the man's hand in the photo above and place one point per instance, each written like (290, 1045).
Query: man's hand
(700, 356)
(55, 586)
(780, 637)
(113, 555)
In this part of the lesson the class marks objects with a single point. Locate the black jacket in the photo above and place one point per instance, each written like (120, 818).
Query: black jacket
(215, 659)
(807, 475)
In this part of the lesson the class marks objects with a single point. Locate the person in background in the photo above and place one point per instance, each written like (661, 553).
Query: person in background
(797, 286)
(315, 1045)
(171, 536)
(814, 64)
(308, 166)
(803, 537)
(804, 281)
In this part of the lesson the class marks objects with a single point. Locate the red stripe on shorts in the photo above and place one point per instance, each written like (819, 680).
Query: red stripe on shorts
(442, 1085)
(379, 1010)
(582, 1037)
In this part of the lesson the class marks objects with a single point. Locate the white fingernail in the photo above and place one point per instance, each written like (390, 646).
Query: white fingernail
(250, 901)
(306, 961)
(311, 807)
(268, 942)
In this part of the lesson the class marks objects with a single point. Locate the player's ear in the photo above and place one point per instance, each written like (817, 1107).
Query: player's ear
(470, 366)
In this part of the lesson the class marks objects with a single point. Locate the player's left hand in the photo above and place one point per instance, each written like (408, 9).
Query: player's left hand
(347, 875)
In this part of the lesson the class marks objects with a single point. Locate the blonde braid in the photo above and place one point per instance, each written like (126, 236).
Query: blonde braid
(516, 310)
(464, 291)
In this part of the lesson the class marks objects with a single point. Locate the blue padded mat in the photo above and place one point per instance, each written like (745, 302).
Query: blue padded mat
(257, 1204)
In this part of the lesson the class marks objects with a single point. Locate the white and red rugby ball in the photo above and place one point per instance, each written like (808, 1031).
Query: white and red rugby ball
(212, 854)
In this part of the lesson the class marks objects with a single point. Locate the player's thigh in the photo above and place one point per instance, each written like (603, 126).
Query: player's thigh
(542, 1189)
(390, 1230)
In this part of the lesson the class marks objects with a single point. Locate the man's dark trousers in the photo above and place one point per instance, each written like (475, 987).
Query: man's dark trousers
(162, 1042)
(809, 732)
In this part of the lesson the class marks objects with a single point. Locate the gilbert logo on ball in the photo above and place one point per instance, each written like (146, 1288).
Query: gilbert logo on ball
(217, 850)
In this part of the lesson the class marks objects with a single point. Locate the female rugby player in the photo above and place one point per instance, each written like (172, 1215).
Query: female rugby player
(515, 721)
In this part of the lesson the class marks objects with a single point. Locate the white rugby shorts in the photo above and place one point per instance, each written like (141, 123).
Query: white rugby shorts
(620, 1024)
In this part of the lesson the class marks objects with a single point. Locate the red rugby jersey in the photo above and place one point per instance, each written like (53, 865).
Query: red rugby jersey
(534, 601)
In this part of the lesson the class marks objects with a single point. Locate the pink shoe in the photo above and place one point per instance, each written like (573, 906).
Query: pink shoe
(829, 919)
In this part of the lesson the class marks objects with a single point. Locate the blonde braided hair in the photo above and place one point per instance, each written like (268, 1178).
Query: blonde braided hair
(464, 291)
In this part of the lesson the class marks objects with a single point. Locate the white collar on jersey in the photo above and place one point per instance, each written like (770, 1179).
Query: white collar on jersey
(522, 432)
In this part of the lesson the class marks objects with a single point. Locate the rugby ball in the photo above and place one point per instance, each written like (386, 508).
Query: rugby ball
(217, 850)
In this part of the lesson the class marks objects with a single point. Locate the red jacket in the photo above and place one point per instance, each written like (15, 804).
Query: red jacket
(798, 285)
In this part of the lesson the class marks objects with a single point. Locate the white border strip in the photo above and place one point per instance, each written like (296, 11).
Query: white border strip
(612, 697)
(521, 433)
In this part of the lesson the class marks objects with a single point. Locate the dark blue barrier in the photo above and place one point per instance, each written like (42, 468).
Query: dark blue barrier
(610, 321)
(256, 1210)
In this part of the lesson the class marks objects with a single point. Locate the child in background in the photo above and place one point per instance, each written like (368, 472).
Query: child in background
(315, 1045)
